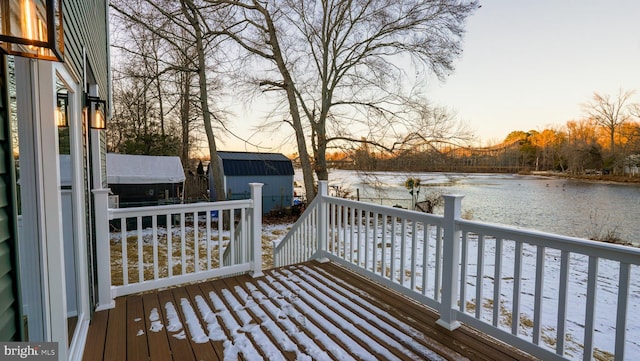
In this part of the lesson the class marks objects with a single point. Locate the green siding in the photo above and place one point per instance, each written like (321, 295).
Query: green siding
(86, 26)
(9, 304)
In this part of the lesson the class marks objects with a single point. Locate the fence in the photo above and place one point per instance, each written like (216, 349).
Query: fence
(552, 296)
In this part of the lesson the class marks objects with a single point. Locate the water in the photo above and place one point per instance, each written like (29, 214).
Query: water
(556, 205)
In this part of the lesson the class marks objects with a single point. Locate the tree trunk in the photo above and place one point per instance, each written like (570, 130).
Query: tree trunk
(185, 112)
(289, 87)
(204, 99)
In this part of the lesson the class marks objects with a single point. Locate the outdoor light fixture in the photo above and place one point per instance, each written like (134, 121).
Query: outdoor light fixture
(62, 114)
(96, 112)
(32, 28)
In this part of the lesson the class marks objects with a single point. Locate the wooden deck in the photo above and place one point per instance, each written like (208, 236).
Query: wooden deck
(310, 311)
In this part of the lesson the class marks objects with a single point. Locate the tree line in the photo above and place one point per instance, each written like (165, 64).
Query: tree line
(605, 140)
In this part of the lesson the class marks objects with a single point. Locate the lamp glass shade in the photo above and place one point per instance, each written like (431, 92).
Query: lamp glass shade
(98, 120)
(32, 28)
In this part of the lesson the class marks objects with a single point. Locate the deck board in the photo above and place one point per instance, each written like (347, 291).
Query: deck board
(96, 337)
(116, 337)
(312, 310)
(383, 322)
(137, 348)
(201, 350)
(180, 347)
(158, 342)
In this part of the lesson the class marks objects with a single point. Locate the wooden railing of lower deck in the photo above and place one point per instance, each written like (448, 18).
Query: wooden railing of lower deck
(555, 297)
(156, 247)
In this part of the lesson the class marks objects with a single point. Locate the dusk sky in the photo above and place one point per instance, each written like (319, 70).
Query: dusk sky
(530, 64)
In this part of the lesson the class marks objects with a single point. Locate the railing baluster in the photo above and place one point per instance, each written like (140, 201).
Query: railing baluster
(367, 239)
(140, 251)
(425, 258)
(154, 226)
(517, 281)
(220, 238)
(464, 258)
(414, 254)
(232, 236)
(125, 257)
(196, 248)
(539, 289)
(169, 245)
(497, 280)
(351, 223)
(624, 277)
(183, 243)
(479, 275)
(313, 232)
(438, 271)
(335, 231)
(356, 236)
(208, 216)
(374, 243)
(403, 250)
(563, 289)
(383, 248)
(392, 259)
(244, 236)
(343, 226)
(592, 284)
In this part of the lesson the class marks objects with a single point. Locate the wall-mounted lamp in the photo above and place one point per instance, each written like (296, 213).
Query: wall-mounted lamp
(32, 28)
(62, 113)
(96, 112)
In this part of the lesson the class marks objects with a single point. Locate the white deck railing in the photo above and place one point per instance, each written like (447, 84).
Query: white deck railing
(552, 296)
(162, 246)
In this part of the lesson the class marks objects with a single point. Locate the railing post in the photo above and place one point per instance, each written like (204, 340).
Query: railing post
(322, 226)
(103, 249)
(256, 229)
(450, 262)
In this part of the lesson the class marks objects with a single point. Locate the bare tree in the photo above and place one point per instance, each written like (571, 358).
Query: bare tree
(341, 64)
(179, 24)
(635, 110)
(609, 113)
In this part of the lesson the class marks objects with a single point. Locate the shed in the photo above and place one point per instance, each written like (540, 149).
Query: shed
(274, 170)
(144, 180)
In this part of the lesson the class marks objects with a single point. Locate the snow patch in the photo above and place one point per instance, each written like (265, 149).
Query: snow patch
(172, 316)
(195, 328)
(156, 324)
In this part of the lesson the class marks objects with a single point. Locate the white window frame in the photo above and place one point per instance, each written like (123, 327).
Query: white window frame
(40, 138)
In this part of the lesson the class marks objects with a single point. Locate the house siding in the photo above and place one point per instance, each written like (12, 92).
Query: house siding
(9, 305)
(86, 27)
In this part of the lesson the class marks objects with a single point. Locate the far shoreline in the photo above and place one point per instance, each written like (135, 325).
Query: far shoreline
(596, 178)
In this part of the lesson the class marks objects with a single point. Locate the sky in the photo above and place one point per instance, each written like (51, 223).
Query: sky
(528, 65)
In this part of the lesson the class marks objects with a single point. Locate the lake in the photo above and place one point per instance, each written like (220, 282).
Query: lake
(557, 205)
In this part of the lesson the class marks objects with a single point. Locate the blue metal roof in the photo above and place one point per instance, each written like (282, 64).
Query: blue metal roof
(245, 163)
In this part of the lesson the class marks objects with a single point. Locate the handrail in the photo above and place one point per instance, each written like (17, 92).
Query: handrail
(513, 284)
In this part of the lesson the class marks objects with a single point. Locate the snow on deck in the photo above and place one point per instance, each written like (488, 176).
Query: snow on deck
(302, 312)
